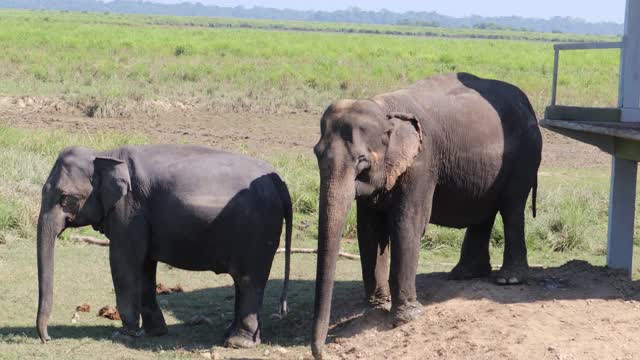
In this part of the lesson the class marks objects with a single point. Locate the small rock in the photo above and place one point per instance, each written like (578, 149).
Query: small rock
(276, 317)
(163, 302)
(75, 318)
(206, 355)
(266, 352)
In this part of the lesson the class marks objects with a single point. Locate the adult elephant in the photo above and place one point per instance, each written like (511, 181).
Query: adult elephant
(192, 207)
(452, 150)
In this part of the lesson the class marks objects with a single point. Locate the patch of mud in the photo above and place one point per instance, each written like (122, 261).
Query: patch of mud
(594, 314)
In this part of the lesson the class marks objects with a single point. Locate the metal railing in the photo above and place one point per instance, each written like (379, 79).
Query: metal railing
(576, 46)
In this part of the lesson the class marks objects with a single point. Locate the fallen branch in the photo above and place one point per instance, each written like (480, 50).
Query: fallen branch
(315, 251)
(90, 240)
(103, 242)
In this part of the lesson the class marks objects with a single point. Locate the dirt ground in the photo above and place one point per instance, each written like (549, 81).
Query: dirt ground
(248, 132)
(576, 311)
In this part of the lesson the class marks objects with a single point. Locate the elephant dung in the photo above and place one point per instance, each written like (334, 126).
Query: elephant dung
(162, 289)
(109, 313)
(83, 308)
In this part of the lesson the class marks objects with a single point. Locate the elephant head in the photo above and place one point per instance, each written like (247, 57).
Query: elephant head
(81, 190)
(363, 150)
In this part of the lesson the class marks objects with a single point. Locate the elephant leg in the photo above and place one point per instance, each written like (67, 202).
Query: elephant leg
(127, 253)
(474, 256)
(515, 266)
(373, 241)
(126, 281)
(152, 318)
(245, 329)
(411, 216)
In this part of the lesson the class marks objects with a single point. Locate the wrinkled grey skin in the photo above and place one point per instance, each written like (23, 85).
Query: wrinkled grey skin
(192, 207)
(452, 150)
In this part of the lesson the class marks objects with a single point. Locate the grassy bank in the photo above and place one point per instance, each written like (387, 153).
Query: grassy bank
(103, 60)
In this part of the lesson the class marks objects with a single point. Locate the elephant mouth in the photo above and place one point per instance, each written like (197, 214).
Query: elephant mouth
(364, 189)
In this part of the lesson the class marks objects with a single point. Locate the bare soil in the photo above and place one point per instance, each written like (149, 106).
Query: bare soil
(576, 311)
(253, 133)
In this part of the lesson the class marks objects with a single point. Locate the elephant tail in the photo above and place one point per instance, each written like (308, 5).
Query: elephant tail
(534, 192)
(288, 218)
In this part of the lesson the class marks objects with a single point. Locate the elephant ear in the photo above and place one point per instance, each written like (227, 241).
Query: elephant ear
(405, 142)
(115, 181)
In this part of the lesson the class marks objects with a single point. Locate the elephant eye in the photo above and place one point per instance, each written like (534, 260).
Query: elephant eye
(69, 202)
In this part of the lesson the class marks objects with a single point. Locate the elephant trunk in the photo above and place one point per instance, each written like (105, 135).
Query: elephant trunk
(336, 196)
(49, 227)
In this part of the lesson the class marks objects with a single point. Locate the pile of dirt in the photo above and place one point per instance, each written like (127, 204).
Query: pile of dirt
(575, 311)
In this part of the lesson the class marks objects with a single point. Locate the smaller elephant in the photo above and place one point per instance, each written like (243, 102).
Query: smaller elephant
(192, 207)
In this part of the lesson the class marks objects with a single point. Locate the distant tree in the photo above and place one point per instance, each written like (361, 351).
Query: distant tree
(350, 15)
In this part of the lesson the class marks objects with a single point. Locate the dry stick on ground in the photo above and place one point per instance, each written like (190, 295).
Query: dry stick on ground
(90, 240)
(315, 251)
(102, 242)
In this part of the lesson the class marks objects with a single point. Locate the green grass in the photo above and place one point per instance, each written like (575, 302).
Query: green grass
(104, 61)
(570, 219)
(571, 224)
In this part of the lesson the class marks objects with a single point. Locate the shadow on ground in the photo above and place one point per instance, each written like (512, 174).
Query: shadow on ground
(575, 280)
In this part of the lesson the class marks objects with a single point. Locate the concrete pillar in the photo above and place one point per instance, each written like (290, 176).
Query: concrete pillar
(622, 199)
(622, 205)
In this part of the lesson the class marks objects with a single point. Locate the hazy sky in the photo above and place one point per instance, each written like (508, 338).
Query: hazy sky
(591, 10)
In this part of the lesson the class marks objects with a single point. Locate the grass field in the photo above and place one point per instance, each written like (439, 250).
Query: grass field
(571, 224)
(103, 60)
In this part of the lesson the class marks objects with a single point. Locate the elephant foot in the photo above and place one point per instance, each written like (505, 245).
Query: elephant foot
(464, 271)
(405, 313)
(379, 300)
(126, 336)
(241, 339)
(512, 275)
